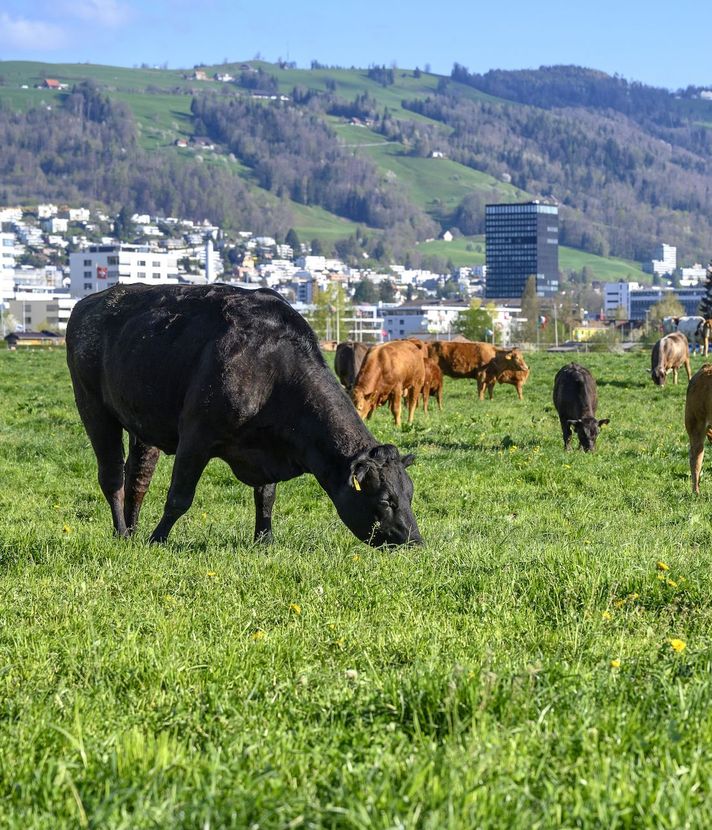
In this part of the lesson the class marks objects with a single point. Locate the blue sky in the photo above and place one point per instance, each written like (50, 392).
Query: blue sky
(658, 43)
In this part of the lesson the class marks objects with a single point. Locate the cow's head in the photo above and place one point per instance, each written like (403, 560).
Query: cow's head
(514, 360)
(360, 401)
(587, 429)
(659, 375)
(375, 501)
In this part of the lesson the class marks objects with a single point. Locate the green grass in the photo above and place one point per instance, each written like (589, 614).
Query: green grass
(321, 683)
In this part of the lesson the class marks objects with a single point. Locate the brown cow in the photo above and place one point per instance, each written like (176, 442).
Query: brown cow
(347, 361)
(698, 419)
(669, 353)
(433, 384)
(507, 366)
(461, 360)
(387, 372)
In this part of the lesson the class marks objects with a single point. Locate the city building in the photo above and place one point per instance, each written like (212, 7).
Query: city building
(416, 319)
(7, 253)
(101, 266)
(664, 260)
(635, 301)
(522, 240)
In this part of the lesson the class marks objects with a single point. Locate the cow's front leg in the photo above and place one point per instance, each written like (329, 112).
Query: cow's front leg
(264, 502)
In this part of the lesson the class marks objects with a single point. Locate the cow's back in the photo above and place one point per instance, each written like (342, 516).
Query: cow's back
(461, 360)
(147, 352)
(575, 394)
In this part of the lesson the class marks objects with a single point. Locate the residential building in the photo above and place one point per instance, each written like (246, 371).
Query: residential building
(415, 319)
(522, 240)
(7, 253)
(664, 260)
(101, 266)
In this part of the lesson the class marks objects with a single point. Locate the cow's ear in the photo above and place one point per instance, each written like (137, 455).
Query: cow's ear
(408, 459)
(604, 421)
(573, 423)
(359, 469)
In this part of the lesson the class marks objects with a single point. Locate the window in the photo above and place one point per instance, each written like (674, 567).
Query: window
(142, 262)
(156, 263)
(87, 275)
(156, 276)
(87, 286)
(87, 262)
(112, 260)
(142, 275)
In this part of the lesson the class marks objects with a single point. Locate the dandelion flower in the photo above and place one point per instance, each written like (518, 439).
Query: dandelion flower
(615, 664)
(671, 582)
(297, 609)
(662, 566)
(356, 557)
(212, 573)
(606, 615)
(66, 529)
(259, 634)
(677, 645)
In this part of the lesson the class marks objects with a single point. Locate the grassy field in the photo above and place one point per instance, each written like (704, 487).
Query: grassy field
(517, 671)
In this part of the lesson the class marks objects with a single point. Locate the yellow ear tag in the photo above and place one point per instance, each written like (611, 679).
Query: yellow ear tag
(357, 486)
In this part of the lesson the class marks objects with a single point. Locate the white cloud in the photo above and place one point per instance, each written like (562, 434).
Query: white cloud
(108, 13)
(23, 33)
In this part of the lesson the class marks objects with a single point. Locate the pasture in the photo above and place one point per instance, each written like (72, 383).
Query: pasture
(545, 660)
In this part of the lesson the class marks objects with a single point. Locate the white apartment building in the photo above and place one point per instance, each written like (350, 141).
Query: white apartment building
(101, 266)
(664, 259)
(7, 253)
(37, 313)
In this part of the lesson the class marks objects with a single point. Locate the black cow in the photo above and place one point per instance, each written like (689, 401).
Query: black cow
(576, 399)
(348, 360)
(221, 372)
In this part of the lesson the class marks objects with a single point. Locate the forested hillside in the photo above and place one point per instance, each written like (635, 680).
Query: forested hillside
(393, 156)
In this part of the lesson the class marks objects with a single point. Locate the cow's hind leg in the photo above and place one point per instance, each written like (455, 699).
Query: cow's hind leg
(106, 436)
(697, 454)
(413, 395)
(139, 469)
(688, 370)
(674, 374)
(566, 430)
(191, 460)
(264, 502)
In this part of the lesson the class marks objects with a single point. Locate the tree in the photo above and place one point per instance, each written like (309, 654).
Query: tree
(706, 302)
(317, 248)
(365, 292)
(530, 310)
(387, 292)
(292, 239)
(669, 306)
(330, 306)
(475, 323)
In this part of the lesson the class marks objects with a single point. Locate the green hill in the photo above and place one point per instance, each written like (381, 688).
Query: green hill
(492, 149)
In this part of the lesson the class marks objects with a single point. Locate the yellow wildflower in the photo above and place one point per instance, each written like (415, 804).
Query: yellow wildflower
(259, 634)
(615, 664)
(356, 557)
(212, 573)
(677, 645)
(297, 609)
(633, 597)
(671, 583)
(663, 567)
(66, 529)
(606, 615)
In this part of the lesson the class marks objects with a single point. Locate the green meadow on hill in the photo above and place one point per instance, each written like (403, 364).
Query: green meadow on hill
(544, 660)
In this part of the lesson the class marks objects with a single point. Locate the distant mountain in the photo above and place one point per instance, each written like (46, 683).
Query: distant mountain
(372, 159)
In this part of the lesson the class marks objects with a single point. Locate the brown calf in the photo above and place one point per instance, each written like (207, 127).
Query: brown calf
(507, 366)
(433, 384)
(388, 372)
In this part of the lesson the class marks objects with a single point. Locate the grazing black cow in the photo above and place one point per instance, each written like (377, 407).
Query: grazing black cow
(347, 361)
(221, 372)
(576, 399)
